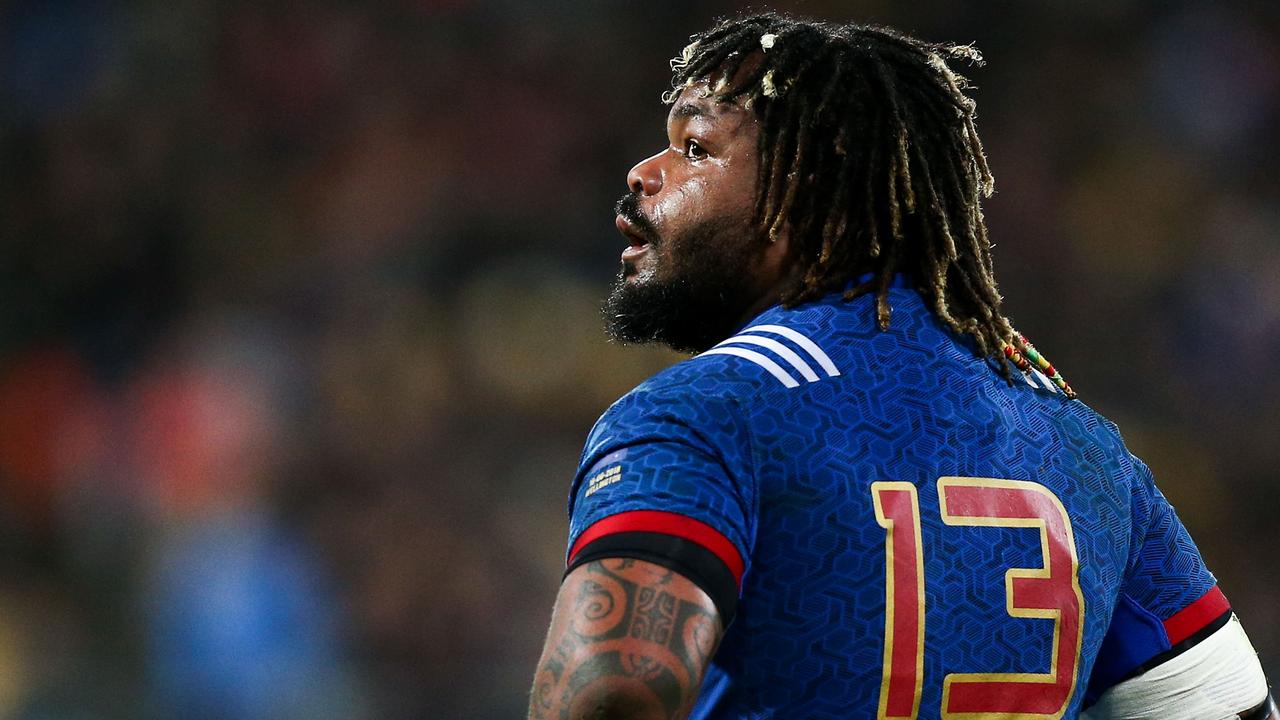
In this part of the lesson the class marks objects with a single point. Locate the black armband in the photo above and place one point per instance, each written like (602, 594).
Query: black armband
(699, 565)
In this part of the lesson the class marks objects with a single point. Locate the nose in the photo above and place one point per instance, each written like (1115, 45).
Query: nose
(646, 177)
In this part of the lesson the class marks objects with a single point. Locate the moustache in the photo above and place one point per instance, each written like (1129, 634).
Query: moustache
(628, 208)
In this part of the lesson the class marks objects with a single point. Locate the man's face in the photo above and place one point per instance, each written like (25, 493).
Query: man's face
(696, 268)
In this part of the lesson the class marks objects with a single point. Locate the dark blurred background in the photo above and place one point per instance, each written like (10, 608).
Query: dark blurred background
(299, 336)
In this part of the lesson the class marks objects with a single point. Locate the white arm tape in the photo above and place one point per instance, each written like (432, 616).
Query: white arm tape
(1216, 679)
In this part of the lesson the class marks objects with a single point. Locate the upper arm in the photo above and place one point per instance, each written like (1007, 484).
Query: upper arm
(1217, 678)
(628, 639)
(666, 479)
(1168, 599)
(1173, 642)
(661, 523)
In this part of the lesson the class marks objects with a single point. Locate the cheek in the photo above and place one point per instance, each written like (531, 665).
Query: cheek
(740, 196)
(684, 204)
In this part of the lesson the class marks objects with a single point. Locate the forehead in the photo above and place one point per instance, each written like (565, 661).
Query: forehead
(697, 102)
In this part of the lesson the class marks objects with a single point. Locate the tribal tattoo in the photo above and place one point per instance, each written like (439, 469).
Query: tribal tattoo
(628, 639)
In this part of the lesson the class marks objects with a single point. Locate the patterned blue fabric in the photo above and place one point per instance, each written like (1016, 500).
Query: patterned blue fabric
(1135, 636)
(777, 450)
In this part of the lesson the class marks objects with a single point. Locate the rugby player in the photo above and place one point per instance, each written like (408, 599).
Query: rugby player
(867, 495)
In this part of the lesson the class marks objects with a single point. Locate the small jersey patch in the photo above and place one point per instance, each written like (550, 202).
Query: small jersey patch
(616, 456)
(603, 479)
(803, 357)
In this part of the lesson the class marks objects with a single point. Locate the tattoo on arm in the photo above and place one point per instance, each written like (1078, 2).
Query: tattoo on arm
(625, 629)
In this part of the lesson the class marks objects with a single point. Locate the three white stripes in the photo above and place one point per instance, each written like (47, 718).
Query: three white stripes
(790, 356)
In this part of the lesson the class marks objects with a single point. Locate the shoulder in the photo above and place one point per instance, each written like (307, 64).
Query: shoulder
(789, 349)
(707, 398)
(778, 350)
(769, 363)
(694, 400)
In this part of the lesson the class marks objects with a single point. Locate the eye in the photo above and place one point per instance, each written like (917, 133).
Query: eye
(693, 150)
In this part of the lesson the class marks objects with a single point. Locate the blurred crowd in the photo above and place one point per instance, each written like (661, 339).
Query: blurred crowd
(300, 334)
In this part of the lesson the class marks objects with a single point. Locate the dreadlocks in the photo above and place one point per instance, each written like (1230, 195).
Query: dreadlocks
(869, 156)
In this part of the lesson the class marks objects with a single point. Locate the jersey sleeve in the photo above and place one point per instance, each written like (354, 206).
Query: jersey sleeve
(665, 477)
(1169, 600)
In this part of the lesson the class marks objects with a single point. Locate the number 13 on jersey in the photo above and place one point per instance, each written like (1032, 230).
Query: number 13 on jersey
(1051, 591)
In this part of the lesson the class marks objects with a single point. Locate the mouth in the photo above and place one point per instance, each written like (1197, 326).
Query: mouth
(639, 243)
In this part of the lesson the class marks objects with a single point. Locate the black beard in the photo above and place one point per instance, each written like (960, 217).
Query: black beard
(690, 306)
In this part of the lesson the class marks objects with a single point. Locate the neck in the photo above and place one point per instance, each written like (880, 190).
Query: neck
(772, 294)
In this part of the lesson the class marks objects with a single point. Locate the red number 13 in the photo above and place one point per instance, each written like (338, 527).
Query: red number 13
(1051, 591)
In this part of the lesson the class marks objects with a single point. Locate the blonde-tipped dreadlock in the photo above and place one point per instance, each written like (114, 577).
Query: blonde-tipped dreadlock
(870, 158)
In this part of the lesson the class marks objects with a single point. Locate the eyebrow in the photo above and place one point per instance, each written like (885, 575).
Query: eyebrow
(689, 110)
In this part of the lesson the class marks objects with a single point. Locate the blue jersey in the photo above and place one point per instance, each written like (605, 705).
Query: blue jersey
(897, 531)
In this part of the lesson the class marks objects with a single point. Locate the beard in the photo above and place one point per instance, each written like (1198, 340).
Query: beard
(694, 296)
